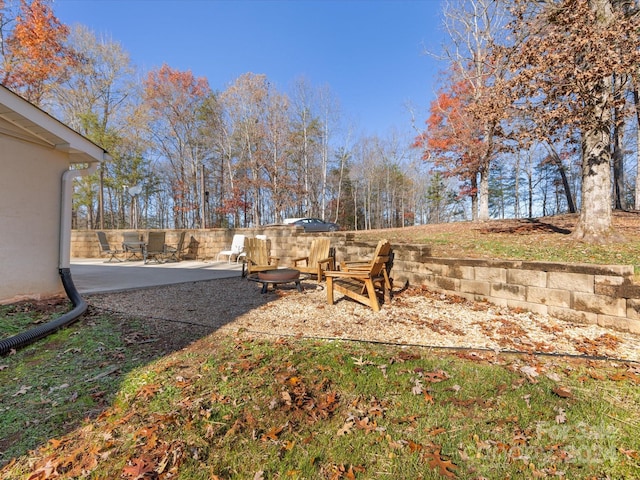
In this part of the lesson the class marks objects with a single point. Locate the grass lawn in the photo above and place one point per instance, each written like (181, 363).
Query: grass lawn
(88, 402)
(547, 239)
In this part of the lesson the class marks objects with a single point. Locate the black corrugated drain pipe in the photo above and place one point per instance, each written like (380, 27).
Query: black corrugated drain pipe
(30, 336)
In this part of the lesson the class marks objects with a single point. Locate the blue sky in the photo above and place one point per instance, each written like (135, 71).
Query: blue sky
(369, 52)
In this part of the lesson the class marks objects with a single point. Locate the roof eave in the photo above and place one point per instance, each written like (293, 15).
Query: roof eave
(38, 123)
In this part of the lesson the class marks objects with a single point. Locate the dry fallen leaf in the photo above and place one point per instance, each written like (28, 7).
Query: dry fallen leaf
(631, 454)
(417, 387)
(138, 468)
(563, 392)
(346, 429)
(148, 391)
(444, 467)
(272, 434)
(23, 389)
(529, 371)
(553, 376)
(436, 376)
(561, 417)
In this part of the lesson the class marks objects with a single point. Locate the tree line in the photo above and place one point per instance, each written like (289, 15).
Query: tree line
(187, 156)
(536, 115)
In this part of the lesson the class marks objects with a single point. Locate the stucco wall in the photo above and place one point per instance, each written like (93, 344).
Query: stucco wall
(598, 294)
(29, 211)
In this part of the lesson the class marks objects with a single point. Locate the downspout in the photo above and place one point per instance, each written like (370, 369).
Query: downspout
(64, 269)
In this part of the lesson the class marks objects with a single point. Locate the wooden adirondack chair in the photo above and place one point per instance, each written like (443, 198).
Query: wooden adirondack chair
(320, 258)
(258, 257)
(363, 280)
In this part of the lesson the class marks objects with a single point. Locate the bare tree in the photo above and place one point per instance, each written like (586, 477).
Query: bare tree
(245, 103)
(97, 100)
(636, 105)
(278, 167)
(329, 111)
(307, 143)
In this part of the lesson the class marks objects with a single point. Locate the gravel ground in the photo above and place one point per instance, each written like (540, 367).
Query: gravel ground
(415, 316)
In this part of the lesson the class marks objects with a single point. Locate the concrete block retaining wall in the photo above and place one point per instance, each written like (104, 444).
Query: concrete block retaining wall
(597, 294)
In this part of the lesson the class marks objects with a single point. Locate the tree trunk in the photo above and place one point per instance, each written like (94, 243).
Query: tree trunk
(567, 188)
(594, 224)
(636, 101)
(483, 211)
(618, 171)
(474, 198)
(557, 161)
(618, 157)
(595, 221)
(516, 188)
(530, 194)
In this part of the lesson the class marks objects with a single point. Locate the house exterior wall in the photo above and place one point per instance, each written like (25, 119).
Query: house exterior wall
(30, 184)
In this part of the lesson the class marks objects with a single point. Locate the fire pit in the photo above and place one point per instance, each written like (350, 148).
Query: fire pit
(275, 277)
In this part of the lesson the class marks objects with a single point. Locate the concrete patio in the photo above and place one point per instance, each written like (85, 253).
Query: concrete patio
(93, 275)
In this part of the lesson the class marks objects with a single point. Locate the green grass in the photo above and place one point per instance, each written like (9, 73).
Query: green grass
(567, 251)
(232, 407)
(480, 241)
(545, 248)
(17, 318)
(49, 387)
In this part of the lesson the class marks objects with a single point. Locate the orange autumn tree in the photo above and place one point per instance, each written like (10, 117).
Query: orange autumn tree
(35, 54)
(453, 140)
(179, 131)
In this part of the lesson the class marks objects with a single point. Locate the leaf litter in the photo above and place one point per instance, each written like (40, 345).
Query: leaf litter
(309, 406)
